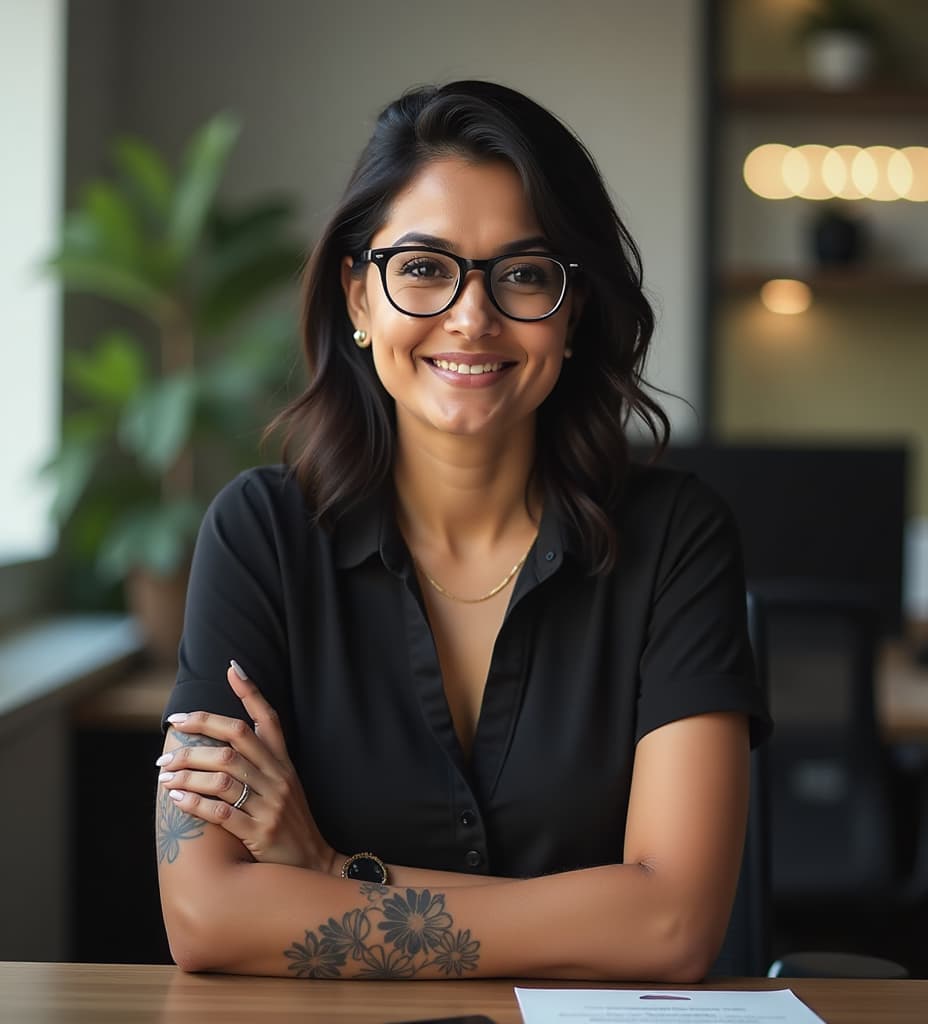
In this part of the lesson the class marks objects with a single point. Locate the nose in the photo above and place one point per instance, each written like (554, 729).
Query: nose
(473, 314)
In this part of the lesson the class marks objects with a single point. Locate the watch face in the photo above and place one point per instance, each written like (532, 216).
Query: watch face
(366, 869)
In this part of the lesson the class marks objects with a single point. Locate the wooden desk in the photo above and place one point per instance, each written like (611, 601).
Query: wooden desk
(92, 993)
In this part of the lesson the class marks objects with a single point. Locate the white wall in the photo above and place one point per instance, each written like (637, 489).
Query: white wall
(308, 79)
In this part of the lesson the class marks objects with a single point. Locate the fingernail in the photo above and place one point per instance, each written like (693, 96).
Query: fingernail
(176, 794)
(238, 670)
(166, 776)
(164, 759)
(177, 718)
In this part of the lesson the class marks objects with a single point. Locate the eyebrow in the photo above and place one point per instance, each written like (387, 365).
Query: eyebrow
(434, 242)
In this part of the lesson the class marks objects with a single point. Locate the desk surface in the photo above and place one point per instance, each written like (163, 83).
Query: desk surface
(85, 993)
(137, 701)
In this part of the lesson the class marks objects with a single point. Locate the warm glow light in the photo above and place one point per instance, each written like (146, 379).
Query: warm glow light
(775, 171)
(815, 187)
(864, 172)
(784, 295)
(763, 171)
(918, 161)
(845, 157)
(834, 172)
(796, 171)
(882, 190)
(900, 175)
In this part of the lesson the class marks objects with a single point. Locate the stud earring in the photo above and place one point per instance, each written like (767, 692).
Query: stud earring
(361, 339)
(568, 352)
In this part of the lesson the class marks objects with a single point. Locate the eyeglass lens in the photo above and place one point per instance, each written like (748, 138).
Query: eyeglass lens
(523, 286)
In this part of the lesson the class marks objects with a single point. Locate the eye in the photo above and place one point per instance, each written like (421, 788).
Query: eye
(424, 268)
(525, 274)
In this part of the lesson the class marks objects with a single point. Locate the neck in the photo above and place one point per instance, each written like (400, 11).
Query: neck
(463, 494)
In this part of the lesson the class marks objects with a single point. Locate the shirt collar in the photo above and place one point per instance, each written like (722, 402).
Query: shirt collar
(370, 528)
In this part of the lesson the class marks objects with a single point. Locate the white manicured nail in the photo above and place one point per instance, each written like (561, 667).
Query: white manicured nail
(238, 670)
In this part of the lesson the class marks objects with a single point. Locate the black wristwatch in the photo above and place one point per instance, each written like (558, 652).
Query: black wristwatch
(366, 867)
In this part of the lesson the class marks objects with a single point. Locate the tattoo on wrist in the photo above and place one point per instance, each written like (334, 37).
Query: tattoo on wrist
(388, 937)
(175, 826)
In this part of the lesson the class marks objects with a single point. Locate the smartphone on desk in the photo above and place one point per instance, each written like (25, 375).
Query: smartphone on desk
(475, 1018)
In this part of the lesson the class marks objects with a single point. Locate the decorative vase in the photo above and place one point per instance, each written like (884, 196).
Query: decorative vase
(839, 58)
(157, 602)
(837, 239)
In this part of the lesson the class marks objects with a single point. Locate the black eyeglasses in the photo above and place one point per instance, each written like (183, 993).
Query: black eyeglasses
(420, 281)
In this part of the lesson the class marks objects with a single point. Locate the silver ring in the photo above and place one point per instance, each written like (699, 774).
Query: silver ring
(246, 789)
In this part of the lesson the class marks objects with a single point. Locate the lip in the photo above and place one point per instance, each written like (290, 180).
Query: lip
(459, 380)
(469, 358)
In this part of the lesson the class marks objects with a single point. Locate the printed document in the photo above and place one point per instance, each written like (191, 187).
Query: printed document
(674, 1006)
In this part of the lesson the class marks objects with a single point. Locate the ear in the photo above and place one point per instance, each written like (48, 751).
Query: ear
(355, 289)
(577, 300)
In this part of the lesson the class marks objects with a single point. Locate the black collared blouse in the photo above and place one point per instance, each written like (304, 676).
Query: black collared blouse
(332, 628)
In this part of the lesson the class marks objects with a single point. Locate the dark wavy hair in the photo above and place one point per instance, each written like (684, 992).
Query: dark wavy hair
(339, 434)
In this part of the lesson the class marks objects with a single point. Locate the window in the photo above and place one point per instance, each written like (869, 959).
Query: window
(32, 42)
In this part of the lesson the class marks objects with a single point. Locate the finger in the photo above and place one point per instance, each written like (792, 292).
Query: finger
(233, 732)
(220, 785)
(217, 812)
(266, 719)
(222, 758)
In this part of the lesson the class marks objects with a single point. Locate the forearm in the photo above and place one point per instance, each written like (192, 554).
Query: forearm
(615, 922)
(403, 876)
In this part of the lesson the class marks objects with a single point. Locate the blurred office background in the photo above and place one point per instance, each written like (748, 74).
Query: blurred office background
(671, 97)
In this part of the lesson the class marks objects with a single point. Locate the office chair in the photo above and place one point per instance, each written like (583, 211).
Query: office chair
(745, 951)
(746, 948)
(833, 828)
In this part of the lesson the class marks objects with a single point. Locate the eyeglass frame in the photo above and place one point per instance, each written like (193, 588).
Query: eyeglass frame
(381, 257)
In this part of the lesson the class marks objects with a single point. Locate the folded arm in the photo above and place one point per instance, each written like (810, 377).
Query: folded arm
(661, 915)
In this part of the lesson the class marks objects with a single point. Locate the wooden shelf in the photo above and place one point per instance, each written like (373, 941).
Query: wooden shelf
(864, 279)
(799, 98)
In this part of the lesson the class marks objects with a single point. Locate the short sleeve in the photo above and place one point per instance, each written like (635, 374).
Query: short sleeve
(697, 656)
(234, 605)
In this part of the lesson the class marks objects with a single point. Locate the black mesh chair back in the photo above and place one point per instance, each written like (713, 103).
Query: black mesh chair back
(745, 951)
(831, 817)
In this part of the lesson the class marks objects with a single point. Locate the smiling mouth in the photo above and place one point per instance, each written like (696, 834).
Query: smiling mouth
(468, 369)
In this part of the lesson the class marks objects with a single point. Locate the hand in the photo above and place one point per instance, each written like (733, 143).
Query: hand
(274, 822)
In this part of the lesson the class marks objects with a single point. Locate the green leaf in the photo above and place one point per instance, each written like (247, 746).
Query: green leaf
(159, 538)
(259, 220)
(106, 278)
(246, 241)
(158, 422)
(146, 175)
(71, 469)
(245, 286)
(196, 189)
(112, 371)
(80, 235)
(115, 221)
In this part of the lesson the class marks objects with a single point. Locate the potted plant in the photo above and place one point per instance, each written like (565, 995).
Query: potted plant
(186, 381)
(840, 38)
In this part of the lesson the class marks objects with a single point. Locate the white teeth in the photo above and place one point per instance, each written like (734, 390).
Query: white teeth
(466, 368)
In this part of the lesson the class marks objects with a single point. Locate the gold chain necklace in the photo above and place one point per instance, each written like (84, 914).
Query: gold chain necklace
(485, 597)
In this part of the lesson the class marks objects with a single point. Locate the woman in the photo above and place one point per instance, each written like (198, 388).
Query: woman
(499, 677)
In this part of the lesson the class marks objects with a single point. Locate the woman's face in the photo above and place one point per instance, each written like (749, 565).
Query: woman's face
(475, 210)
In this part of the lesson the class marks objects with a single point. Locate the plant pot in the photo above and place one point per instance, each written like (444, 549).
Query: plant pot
(839, 58)
(157, 603)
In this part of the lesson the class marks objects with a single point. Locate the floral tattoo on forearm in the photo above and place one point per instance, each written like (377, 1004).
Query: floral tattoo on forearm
(414, 932)
(174, 825)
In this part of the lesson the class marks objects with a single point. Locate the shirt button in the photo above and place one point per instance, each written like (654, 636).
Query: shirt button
(472, 858)
(468, 818)
(549, 556)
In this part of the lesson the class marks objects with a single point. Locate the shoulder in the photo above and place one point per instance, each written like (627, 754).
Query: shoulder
(661, 497)
(265, 501)
(272, 491)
